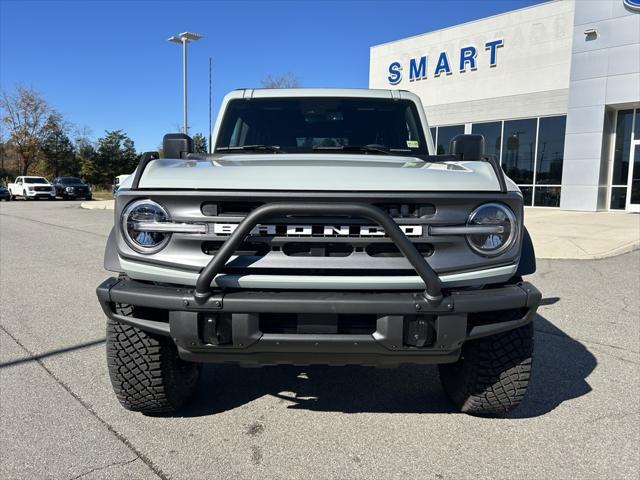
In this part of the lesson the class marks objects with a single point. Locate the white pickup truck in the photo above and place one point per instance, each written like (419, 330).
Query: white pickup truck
(32, 187)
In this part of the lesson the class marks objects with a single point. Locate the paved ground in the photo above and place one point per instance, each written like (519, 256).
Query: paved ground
(59, 419)
(582, 235)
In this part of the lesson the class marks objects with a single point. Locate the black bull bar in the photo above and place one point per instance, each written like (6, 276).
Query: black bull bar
(432, 294)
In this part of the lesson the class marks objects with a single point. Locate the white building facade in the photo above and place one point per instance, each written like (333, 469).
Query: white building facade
(554, 88)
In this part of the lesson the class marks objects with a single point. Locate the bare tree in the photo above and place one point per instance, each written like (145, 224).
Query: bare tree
(285, 80)
(28, 118)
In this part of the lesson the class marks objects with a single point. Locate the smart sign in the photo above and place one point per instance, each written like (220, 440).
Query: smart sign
(421, 68)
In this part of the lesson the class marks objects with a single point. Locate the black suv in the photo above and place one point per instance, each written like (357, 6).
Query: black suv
(71, 187)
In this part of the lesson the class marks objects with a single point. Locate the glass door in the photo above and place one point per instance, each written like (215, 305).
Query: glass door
(633, 189)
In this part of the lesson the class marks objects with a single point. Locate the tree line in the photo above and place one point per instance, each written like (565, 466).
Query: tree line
(36, 139)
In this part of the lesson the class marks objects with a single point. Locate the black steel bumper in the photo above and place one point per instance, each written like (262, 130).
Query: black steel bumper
(458, 318)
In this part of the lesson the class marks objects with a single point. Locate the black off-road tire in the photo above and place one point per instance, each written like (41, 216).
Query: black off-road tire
(492, 375)
(146, 373)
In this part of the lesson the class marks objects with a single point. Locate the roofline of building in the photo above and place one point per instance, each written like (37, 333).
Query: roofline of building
(546, 2)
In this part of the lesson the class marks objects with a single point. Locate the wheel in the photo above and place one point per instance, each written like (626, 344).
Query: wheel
(24, 195)
(146, 373)
(492, 375)
(90, 197)
(12, 197)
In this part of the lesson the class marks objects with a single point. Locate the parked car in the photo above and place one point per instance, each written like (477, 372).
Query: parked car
(5, 194)
(71, 188)
(32, 188)
(323, 229)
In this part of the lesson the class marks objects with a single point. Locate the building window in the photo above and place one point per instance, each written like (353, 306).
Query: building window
(519, 149)
(547, 197)
(531, 154)
(492, 132)
(444, 135)
(550, 150)
(621, 154)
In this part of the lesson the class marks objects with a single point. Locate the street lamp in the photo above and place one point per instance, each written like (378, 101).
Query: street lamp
(183, 39)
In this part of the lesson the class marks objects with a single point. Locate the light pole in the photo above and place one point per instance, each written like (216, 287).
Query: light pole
(183, 39)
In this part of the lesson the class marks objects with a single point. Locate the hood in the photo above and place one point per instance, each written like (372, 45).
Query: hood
(317, 172)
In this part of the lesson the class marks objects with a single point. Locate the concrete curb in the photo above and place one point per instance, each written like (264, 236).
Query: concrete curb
(98, 205)
(621, 250)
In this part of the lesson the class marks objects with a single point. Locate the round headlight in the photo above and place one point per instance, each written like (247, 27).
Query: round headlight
(135, 216)
(492, 241)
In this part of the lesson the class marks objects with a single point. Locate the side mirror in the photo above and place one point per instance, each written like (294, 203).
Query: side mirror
(469, 147)
(177, 145)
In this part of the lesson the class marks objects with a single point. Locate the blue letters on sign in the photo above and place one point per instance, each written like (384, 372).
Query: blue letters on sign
(632, 4)
(468, 55)
(468, 60)
(442, 65)
(395, 73)
(417, 71)
(492, 47)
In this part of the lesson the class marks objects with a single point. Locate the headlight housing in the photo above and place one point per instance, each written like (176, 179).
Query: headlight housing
(505, 234)
(146, 211)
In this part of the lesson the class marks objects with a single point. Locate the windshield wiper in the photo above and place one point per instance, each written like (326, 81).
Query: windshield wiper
(252, 148)
(355, 148)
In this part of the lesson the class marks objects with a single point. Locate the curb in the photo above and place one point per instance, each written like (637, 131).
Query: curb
(98, 205)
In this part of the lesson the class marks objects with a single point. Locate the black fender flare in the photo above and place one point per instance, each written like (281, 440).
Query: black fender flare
(527, 264)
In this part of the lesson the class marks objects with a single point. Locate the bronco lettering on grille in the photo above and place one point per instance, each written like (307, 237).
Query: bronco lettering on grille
(317, 230)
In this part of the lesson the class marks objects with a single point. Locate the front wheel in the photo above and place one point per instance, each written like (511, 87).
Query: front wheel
(492, 375)
(146, 373)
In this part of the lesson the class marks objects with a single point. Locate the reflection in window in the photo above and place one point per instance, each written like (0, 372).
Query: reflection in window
(519, 147)
(622, 148)
(445, 134)
(527, 193)
(547, 197)
(492, 133)
(550, 151)
(618, 198)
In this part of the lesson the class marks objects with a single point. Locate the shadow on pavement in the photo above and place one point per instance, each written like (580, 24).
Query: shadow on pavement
(561, 366)
(52, 353)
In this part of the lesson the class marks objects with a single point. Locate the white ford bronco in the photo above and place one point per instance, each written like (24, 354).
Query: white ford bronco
(322, 229)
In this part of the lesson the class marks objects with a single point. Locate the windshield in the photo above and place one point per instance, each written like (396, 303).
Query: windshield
(35, 180)
(70, 180)
(337, 125)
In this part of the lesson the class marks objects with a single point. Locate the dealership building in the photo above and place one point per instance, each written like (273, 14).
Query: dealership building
(554, 88)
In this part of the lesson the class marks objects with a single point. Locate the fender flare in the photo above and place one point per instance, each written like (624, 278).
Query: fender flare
(111, 258)
(527, 264)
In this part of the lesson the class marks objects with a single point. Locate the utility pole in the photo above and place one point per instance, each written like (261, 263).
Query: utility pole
(210, 146)
(183, 39)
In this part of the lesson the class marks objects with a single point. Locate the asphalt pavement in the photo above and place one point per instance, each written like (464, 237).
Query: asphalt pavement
(59, 418)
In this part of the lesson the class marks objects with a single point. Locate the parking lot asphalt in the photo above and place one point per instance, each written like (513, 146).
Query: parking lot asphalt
(59, 418)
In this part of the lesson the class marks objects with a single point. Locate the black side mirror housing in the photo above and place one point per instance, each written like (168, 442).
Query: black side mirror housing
(468, 146)
(177, 145)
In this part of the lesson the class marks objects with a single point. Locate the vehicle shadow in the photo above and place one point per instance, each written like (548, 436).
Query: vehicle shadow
(561, 366)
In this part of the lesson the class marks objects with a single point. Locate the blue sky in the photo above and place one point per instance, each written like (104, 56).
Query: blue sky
(107, 65)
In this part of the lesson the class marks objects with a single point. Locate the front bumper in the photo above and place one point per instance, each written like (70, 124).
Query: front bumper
(172, 311)
(43, 194)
